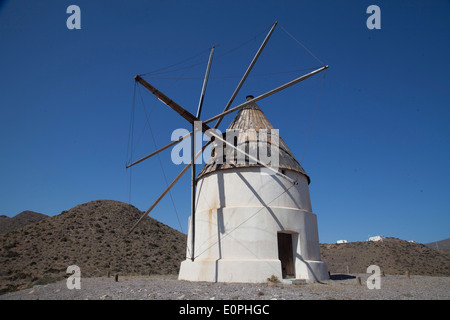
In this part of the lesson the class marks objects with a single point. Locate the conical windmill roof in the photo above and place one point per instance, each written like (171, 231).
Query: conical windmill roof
(251, 120)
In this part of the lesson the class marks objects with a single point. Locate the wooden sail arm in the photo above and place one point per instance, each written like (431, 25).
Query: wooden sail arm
(218, 137)
(205, 82)
(160, 149)
(168, 187)
(264, 95)
(169, 102)
(159, 198)
(223, 114)
(219, 119)
(247, 72)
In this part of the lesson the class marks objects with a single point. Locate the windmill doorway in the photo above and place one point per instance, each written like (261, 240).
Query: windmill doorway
(286, 254)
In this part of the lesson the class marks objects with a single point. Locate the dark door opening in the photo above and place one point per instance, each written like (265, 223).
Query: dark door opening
(285, 255)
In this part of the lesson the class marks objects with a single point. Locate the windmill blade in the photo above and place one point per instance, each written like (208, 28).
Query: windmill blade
(176, 107)
(247, 72)
(264, 95)
(224, 113)
(173, 105)
(233, 96)
(219, 116)
(170, 103)
(191, 118)
(205, 82)
(159, 150)
(166, 190)
(160, 197)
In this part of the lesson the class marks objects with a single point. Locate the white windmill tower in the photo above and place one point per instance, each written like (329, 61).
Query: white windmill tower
(250, 219)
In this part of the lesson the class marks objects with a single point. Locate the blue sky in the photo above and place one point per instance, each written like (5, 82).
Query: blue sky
(378, 151)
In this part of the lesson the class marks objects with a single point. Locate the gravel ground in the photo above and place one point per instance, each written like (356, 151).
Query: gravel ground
(340, 287)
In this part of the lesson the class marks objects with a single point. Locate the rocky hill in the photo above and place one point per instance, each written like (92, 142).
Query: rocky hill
(393, 256)
(21, 220)
(440, 245)
(92, 236)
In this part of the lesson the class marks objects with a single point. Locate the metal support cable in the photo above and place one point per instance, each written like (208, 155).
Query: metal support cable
(304, 47)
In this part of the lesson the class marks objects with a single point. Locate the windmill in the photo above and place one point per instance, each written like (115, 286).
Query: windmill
(249, 220)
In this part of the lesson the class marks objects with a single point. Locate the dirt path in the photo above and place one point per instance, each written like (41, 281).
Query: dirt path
(393, 287)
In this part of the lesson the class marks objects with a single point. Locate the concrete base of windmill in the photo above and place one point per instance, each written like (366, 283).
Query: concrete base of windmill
(248, 271)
